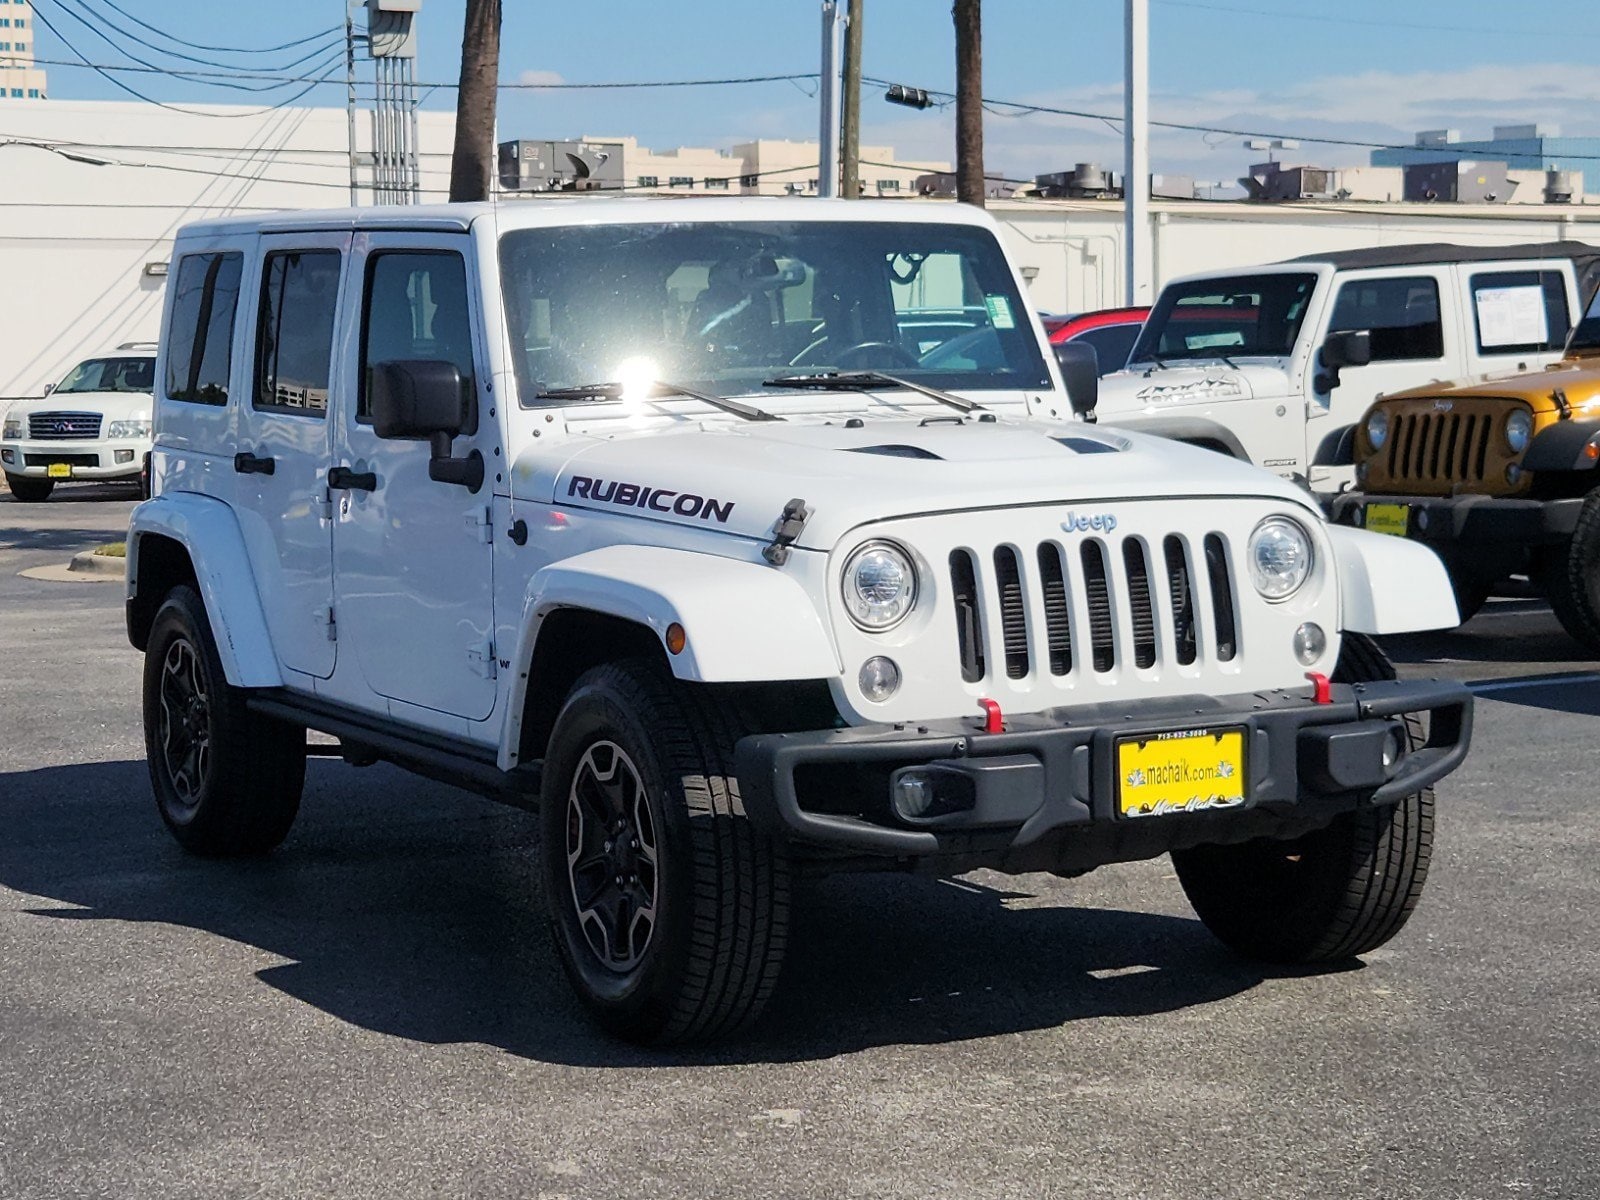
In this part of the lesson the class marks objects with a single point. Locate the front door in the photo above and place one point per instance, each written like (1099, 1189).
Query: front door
(412, 557)
(284, 443)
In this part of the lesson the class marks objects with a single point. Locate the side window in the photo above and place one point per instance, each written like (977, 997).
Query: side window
(415, 309)
(1520, 312)
(1402, 313)
(294, 335)
(200, 339)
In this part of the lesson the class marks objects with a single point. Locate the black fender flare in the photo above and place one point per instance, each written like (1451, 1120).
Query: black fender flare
(1564, 446)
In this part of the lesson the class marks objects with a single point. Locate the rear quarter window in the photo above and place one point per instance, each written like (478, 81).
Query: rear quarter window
(200, 335)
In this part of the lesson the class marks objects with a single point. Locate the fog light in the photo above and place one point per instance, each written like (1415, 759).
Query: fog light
(1514, 474)
(1395, 747)
(1422, 518)
(879, 679)
(124, 456)
(6, 456)
(1310, 643)
(922, 793)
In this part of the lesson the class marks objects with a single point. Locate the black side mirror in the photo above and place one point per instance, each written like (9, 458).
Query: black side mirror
(1080, 371)
(1347, 348)
(426, 399)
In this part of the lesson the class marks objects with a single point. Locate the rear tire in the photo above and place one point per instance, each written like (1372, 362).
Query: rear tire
(1338, 892)
(1569, 577)
(226, 781)
(669, 911)
(29, 490)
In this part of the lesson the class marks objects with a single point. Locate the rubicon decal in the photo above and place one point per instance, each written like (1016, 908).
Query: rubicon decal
(642, 495)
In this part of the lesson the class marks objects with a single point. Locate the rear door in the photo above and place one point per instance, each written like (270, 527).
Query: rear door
(284, 444)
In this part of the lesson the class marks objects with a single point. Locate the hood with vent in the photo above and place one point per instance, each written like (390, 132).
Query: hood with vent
(738, 478)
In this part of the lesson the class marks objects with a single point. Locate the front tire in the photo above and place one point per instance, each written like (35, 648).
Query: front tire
(1569, 577)
(226, 781)
(1332, 894)
(30, 490)
(670, 913)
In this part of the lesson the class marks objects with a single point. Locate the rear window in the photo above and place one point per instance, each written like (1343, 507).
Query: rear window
(200, 338)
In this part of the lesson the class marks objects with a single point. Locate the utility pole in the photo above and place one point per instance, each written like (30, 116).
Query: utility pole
(828, 95)
(852, 100)
(350, 97)
(1136, 138)
(970, 185)
(472, 163)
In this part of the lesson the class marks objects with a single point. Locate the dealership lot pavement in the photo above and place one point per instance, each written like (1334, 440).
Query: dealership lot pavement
(375, 1011)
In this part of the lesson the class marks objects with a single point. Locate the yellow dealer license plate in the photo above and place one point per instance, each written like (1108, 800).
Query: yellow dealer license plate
(1193, 770)
(59, 471)
(1389, 518)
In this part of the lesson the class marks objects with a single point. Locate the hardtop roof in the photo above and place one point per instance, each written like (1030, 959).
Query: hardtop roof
(1432, 253)
(580, 210)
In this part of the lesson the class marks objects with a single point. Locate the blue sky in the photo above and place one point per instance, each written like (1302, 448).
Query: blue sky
(1364, 69)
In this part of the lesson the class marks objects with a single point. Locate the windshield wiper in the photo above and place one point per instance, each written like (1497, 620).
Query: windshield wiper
(657, 390)
(860, 381)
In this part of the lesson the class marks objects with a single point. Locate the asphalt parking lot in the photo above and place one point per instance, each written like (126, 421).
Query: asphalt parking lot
(376, 1010)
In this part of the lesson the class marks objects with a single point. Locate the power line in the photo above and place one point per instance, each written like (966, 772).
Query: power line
(326, 40)
(106, 72)
(1024, 109)
(172, 37)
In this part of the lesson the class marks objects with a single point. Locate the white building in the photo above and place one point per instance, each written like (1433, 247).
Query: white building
(20, 79)
(95, 191)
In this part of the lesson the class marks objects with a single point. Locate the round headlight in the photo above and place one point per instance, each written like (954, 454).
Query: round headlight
(1519, 428)
(1280, 557)
(1378, 428)
(880, 586)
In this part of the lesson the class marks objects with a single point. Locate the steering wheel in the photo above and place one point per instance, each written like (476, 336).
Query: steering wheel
(861, 356)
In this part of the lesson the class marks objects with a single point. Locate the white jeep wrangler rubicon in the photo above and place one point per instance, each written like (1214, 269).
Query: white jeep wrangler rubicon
(649, 515)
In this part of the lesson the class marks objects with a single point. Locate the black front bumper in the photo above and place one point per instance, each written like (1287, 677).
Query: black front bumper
(1446, 522)
(1045, 792)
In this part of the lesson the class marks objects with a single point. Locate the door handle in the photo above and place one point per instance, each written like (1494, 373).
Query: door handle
(344, 479)
(249, 464)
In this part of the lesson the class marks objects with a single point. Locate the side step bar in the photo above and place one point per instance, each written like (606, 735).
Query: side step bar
(431, 755)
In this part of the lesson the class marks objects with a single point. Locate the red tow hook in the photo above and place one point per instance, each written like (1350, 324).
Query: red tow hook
(993, 720)
(1321, 688)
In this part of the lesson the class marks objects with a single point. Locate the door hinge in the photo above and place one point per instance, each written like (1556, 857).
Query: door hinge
(325, 505)
(481, 659)
(325, 617)
(481, 521)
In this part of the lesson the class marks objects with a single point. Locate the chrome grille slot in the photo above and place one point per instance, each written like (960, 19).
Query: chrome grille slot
(1097, 588)
(63, 426)
(1140, 603)
(1057, 610)
(969, 630)
(1013, 621)
(1180, 587)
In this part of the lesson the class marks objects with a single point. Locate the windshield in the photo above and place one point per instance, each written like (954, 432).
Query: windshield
(1587, 334)
(723, 307)
(1226, 318)
(111, 375)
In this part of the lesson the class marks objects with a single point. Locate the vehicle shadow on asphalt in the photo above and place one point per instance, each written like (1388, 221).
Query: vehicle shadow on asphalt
(411, 910)
(12, 538)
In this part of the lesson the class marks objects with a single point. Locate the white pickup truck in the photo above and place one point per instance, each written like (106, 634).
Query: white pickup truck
(1277, 364)
(650, 515)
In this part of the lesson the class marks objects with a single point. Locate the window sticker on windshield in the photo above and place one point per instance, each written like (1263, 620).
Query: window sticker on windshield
(1000, 312)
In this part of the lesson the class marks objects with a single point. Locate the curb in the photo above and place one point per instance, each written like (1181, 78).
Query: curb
(90, 563)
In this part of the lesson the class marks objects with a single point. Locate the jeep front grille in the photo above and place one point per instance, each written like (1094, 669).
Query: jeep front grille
(1432, 447)
(63, 426)
(1104, 603)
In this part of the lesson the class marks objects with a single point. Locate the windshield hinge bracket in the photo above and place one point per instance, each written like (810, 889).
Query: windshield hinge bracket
(1559, 397)
(786, 531)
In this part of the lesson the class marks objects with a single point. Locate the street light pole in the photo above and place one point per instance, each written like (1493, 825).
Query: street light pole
(829, 96)
(1136, 139)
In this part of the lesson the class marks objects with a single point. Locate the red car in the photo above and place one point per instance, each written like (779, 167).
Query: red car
(1111, 331)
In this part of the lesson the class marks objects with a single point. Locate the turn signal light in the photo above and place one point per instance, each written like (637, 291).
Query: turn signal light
(677, 639)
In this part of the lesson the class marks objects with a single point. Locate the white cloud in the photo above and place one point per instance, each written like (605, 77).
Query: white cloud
(544, 78)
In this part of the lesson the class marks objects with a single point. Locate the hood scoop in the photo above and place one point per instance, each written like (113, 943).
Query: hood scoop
(898, 450)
